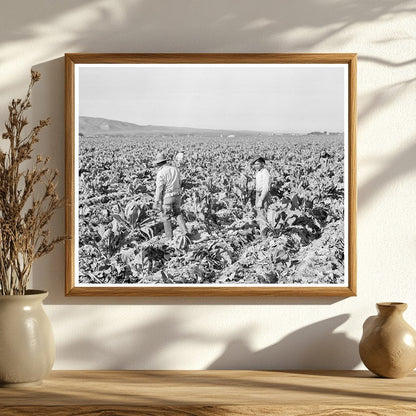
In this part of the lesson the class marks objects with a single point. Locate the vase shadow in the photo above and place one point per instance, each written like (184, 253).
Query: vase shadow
(314, 347)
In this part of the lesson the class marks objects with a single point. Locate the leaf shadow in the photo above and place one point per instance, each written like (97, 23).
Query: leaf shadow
(396, 167)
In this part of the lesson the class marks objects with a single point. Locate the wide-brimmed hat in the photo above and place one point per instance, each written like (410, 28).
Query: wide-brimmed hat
(258, 157)
(160, 158)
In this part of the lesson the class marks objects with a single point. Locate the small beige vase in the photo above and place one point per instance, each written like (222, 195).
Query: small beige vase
(27, 347)
(388, 345)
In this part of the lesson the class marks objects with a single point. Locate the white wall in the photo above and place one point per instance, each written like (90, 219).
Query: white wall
(198, 333)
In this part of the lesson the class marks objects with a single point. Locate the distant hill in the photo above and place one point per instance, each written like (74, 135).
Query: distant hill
(95, 125)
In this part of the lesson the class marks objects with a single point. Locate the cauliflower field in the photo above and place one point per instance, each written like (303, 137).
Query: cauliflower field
(121, 237)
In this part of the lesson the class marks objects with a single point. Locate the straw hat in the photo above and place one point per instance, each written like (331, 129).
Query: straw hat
(160, 158)
(256, 158)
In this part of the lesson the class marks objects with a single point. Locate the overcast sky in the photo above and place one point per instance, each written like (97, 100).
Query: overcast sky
(280, 98)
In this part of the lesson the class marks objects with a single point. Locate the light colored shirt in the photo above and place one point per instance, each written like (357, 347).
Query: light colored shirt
(179, 158)
(168, 182)
(263, 181)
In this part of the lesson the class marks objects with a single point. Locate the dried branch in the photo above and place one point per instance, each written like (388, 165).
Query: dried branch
(23, 218)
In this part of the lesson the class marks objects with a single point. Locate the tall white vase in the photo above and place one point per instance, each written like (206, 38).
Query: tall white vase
(27, 346)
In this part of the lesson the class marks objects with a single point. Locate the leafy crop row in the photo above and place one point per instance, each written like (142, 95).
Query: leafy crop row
(121, 237)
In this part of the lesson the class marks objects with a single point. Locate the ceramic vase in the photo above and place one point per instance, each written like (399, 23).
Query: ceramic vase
(388, 345)
(27, 347)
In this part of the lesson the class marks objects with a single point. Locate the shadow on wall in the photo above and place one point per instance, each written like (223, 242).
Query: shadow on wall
(396, 167)
(140, 347)
(48, 100)
(313, 347)
(150, 22)
(242, 27)
(150, 26)
(382, 98)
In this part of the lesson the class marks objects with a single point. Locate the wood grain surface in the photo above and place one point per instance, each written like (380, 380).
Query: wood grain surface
(203, 393)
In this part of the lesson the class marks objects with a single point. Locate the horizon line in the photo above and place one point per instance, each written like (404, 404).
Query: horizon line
(222, 128)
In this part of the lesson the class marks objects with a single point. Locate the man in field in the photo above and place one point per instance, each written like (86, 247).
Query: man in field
(179, 158)
(168, 195)
(262, 191)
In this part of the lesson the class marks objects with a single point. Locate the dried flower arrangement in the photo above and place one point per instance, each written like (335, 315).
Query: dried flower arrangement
(28, 199)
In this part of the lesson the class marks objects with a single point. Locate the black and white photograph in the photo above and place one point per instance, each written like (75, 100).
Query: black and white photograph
(211, 174)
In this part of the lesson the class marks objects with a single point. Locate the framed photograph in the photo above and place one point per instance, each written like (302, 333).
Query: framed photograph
(211, 174)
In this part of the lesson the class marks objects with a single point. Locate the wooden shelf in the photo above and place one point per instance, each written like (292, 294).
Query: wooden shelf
(203, 393)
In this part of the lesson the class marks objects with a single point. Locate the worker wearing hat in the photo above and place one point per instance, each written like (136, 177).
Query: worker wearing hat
(168, 195)
(262, 191)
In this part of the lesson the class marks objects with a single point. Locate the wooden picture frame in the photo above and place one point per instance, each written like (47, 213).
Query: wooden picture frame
(102, 151)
